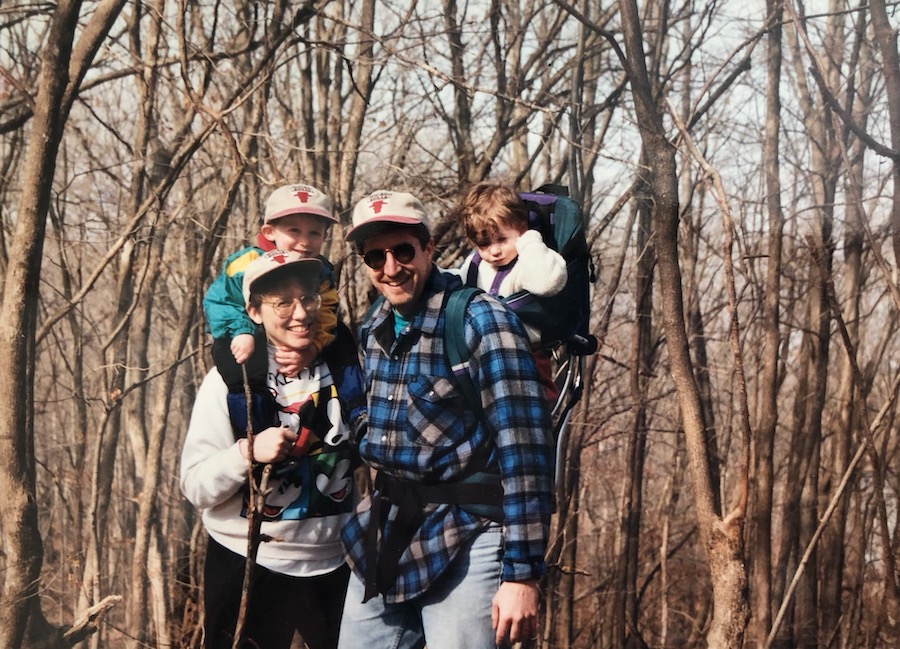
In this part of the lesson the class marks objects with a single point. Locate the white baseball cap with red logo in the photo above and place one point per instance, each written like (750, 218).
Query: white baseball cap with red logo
(280, 261)
(383, 206)
(298, 199)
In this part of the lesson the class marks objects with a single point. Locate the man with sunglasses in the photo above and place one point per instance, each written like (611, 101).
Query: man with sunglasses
(449, 549)
(300, 430)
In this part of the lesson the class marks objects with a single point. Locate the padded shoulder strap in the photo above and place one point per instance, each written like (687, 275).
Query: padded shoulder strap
(263, 411)
(471, 278)
(455, 343)
(372, 309)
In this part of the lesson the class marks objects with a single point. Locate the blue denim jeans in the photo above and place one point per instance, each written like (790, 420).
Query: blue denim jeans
(455, 613)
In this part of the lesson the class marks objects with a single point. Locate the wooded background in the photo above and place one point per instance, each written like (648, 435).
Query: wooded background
(732, 469)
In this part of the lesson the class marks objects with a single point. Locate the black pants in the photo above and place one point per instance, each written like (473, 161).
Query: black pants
(279, 604)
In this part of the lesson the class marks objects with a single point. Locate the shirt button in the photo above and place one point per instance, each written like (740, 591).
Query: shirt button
(384, 438)
(390, 397)
(431, 393)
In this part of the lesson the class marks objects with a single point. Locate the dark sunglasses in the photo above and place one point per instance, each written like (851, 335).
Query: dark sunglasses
(403, 253)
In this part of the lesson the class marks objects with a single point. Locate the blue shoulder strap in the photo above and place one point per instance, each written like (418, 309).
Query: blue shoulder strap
(455, 343)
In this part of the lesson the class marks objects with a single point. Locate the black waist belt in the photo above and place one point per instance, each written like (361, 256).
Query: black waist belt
(480, 494)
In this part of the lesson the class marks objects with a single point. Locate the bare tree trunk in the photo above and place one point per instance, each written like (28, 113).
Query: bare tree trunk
(846, 419)
(806, 623)
(160, 600)
(698, 338)
(734, 521)
(78, 430)
(809, 612)
(829, 574)
(364, 84)
(672, 494)
(133, 417)
(559, 624)
(22, 622)
(465, 148)
(148, 518)
(521, 160)
(22, 544)
(142, 445)
(801, 467)
(762, 467)
(625, 629)
(722, 538)
(107, 445)
(886, 38)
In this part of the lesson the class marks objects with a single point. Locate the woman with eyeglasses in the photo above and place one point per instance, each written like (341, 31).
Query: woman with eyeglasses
(300, 429)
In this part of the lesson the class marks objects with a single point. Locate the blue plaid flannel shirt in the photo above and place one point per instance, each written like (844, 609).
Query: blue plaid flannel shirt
(421, 430)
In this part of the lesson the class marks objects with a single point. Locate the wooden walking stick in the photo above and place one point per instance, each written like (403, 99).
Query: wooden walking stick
(255, 502)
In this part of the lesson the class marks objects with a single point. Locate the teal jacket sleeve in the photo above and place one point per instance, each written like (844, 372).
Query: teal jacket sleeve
(223, 303)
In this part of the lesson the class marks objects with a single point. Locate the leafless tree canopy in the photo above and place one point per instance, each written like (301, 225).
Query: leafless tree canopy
(731, 472)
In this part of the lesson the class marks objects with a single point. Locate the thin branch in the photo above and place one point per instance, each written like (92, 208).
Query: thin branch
(89, 621)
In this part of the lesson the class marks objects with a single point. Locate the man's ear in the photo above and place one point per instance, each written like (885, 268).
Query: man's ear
(268, 231)
(254, 314)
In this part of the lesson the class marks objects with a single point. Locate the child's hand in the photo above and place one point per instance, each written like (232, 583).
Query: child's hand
(291, 361)
(242, 347)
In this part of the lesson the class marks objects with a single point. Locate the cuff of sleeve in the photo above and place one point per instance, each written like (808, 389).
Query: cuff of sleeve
(523, 571)
(234, 462)
(242, 330)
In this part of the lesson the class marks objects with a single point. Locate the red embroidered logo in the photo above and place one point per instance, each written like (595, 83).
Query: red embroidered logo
(303, 196)
(279, 258)
(376, 206)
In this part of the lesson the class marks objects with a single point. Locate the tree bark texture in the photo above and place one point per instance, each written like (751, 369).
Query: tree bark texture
(21, 620)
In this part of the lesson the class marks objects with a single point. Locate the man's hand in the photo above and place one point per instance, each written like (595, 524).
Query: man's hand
(242, 347)
(291, 361)
(514, 611)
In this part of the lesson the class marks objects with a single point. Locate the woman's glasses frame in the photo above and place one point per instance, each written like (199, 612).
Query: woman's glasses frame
(284, 308)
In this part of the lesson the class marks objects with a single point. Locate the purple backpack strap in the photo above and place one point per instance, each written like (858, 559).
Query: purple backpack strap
(472, 273)
(499, 277)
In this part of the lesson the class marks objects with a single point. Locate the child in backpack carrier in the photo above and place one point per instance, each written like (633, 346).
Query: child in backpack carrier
(509, 257)
(297, 218)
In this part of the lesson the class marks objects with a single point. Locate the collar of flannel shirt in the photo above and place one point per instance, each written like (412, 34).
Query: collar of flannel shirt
(432, 301)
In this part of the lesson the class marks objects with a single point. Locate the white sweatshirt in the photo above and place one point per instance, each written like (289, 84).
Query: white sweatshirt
(306, 511)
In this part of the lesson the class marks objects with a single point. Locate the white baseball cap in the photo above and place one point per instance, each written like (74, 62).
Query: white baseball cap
(382, 207)
(283, 261)
(298, 199)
